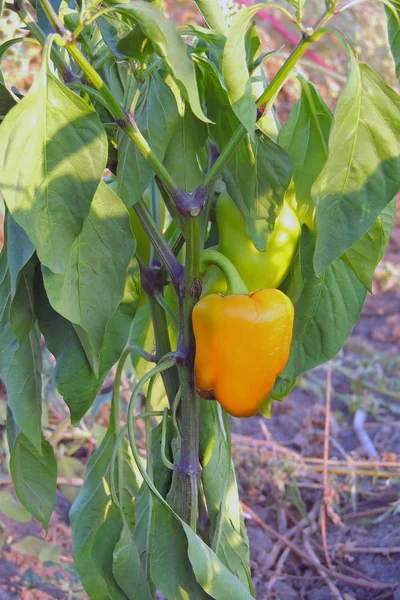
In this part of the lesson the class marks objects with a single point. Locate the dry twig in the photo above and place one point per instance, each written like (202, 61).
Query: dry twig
(359, 582)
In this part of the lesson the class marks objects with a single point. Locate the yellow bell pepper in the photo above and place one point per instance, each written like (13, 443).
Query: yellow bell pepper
(242, 345)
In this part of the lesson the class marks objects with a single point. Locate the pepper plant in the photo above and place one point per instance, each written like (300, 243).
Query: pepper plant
(107, 265)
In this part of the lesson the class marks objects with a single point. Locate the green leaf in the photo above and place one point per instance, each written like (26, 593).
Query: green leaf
(167, 43)
(215, 97)
(235, 71)
(326, 310)
(12, 429)
(62, 340)
(7, 100)
(33, 546)
(304, 136)
(21, 250)
(135, 45)
(260, 171)
(53, 150)
(180, 582)
(69, 466)
(127, 567)
(34, 477)
(282, 388)
(24, 387)
(233, 549)
(362, 173)
(363, 256)
(191, 560)
(162, 476)
(214, 15)
(156, 115)
(393, 27)
(87, 515)
(12, 509)
(20, 364)
(104, 541)
(210, 573)
(22, 315)
(91, 288)
(109, 33)
(258, 178)
(182, 155)
(97, 524)
(6, 46)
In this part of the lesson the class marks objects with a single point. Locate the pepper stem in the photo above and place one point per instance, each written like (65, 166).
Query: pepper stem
(235, 284)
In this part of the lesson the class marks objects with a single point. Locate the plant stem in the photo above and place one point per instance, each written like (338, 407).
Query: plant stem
(124, 120)
(20, 9)
(188, 470)
(53, 17)
(163, 347)
(235, 284)
(169, 260)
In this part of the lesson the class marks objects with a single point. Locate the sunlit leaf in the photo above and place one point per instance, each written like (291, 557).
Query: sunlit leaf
(53, 150)
(235, 69)
(362, 173)
(167, 43)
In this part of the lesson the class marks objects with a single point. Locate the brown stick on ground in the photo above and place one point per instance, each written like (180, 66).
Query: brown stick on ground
(369, 585)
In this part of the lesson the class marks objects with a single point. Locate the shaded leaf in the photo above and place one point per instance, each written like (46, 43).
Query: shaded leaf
(326, 310)
(304, 136)
(97, 263)
(363, 256)
(62, 340)
(258, 178)
(362, 173)
(12, 509)
(105, 539)
(218, 472)
(87, 515)
(24, 386)
(34, 477)
(393, 28)
(162, 476)
(53, 150)
(182, 156)
(167, 43)
(69, 466)
(135, 45)
(170, 555)
(109, 33)
(33, 546)
(7, 100)
(127, 567)
(43, 21)
(156, 115)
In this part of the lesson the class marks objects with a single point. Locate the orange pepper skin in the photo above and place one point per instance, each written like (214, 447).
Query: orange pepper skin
(242, 345)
